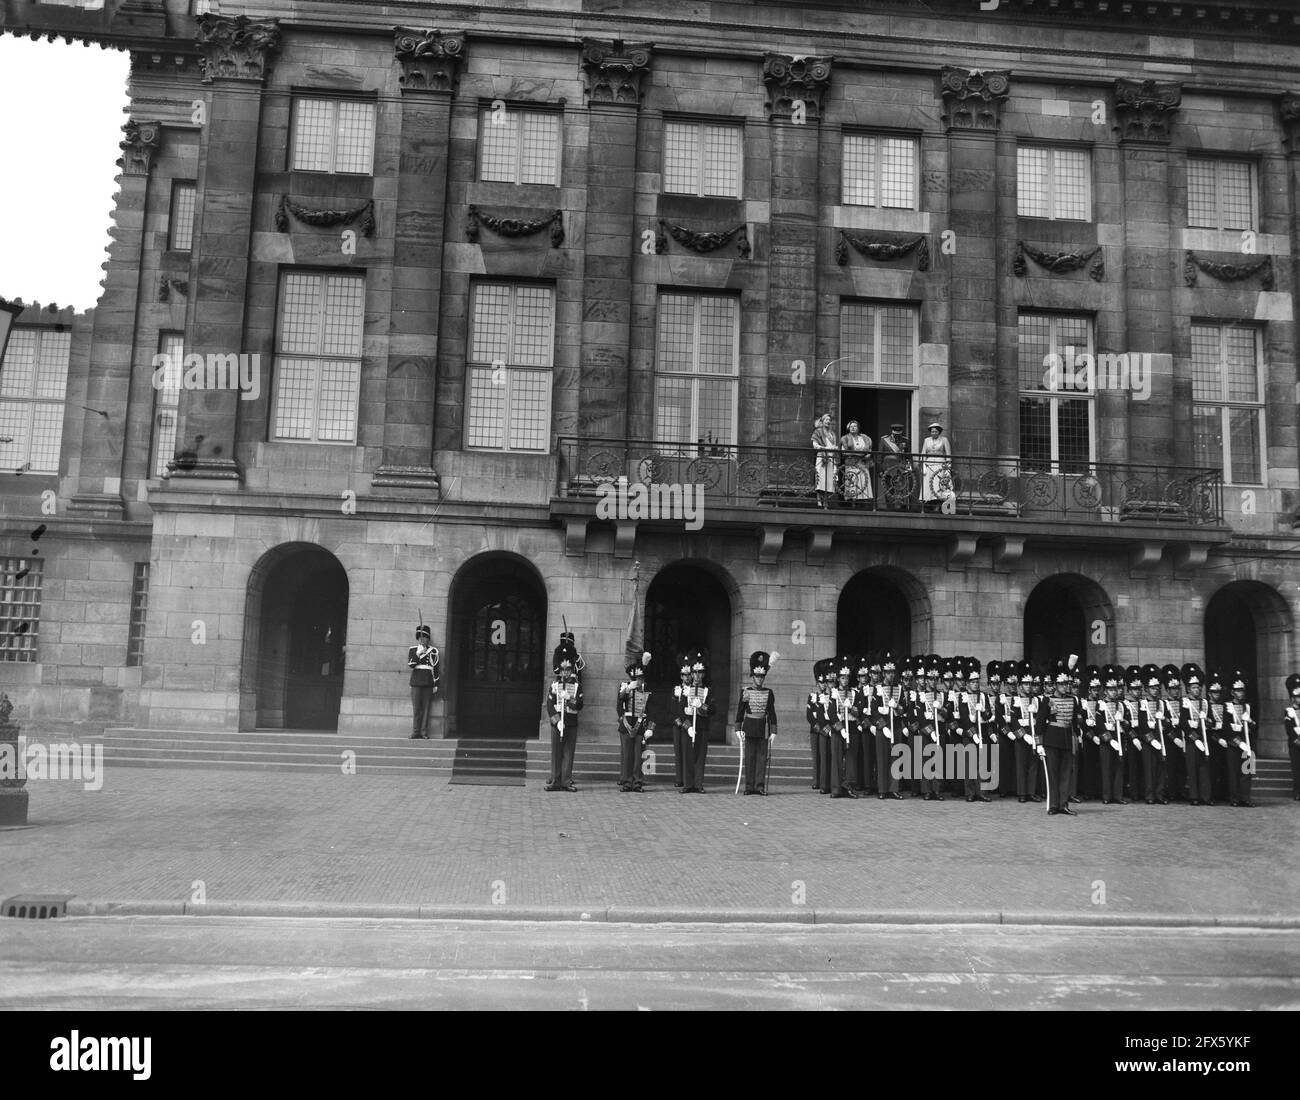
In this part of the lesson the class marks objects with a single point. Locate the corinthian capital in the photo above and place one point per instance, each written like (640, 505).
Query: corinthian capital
(236, 47)
(1146, 108)
(788, 79)
(973, 98)
(138, 147)
(614, 70)
(430, 61)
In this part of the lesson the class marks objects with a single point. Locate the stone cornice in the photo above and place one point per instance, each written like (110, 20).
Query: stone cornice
(1146, 109)
(430, 60)
(613, 70)
(973, 98)
(236, 47)
(791, 79)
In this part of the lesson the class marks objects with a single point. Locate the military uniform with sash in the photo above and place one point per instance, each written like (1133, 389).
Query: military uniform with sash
(696, 708)
(1241, 733)
(886, 709)
(1195, 725)
(841, 716)
(756, 723)
(563, 702)
(635, 724)
(1291, 727)
(422, 660)
(974, 730)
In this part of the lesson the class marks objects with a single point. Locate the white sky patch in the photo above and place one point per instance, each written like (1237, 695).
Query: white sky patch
(60, 127)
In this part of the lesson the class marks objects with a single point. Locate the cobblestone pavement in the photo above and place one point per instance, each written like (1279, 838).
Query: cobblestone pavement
(341, 840)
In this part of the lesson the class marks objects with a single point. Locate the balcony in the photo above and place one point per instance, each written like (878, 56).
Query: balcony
(963, 498)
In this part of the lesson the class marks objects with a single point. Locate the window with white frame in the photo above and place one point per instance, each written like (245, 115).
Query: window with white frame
(1228, 401)
(878, 343)
(697, 368)
(318, 357)
(1056, 393)
(333, 135)
(33, 386)
(519, 146)
(511, 356)
(1221, 194)
(166, 402)
(1053, 182)
(702, 158)
(180, 227)
(20, 608)
(879, 170)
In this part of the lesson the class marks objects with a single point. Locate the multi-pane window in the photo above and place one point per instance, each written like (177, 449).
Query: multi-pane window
(139, 608)
(333, 135)
(1053, 183)
(33, 384)
(878, 343)
(512, 348)
(1220, 193)
(318, 357)
(697, 368)
(519, 146)
(1056, 393)
(1227, 401)
(166, 402)
(20, 608)
(879, 170)
(702, 158)
(180, 230)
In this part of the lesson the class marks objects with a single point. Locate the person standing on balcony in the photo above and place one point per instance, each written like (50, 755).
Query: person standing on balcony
(827, 447)
(936, 468)
(893, 466)
(857, 466)
(422, 660)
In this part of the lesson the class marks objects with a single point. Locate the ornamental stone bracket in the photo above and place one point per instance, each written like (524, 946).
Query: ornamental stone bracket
(138, 147)
(430, 61)
(236, 47)
(961, 548)
(1146, 109)
(819, 545)
(1290, 110)
(614, 70)
(973, 98)
(1191, 555)
(795, 79)
(423, 479)
(771, 542)
(575, 536)
(624, 537)
(1008, 550)
(1146, 554)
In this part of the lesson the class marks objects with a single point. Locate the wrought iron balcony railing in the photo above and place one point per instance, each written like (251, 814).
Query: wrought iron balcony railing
(964, 485)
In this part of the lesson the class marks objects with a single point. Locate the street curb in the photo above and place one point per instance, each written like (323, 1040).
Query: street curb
(627, 914)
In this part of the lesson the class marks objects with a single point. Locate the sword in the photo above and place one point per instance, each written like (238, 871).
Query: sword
(740, 759)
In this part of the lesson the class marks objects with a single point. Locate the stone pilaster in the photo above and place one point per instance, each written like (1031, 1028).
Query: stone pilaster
(794, 83)
(1144, 111)
(613, 73)
(237, 54)
(99, 483)
(979, 394)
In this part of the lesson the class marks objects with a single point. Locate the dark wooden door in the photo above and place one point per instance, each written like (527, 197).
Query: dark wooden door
(502, 662)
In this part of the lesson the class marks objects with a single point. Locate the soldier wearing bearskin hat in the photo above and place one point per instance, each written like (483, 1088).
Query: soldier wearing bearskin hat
(1218, 742)
(1195, 724)
(1056, 729)
(756, 723)
(422, 660)
(635, 724)
(887, 708)
(695, 707)
(842, 715)
(1175, 742)
(1150, 730)
(1114, 736)
(972, 727)
(1019, 722)
(864, 735)
(563, 702)
(1134, 784)
(1291, 726)
(681, 723)
(1240, 734)
(1000, 703)
(1088, 730)
(815, 713)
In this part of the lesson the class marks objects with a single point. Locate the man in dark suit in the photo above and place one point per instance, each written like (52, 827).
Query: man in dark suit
(422, 660)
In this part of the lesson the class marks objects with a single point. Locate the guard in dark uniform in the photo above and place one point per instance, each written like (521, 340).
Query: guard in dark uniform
(1057, 741)
(563, 702)
(1194, 726)
(815, 712)
(887, 711)
(1151, 730)
(999, 704)
(756, 723)
(697, 708)
(842, 715)
(1241, 735)
(1020, 726)
(1291, 726)
(679, 724)
(927, 730)
(1218, 725)
(1175, 743)
(973, 729)
(1134, 784)
(635, 725)
(1114, 736)
(422, 660)
(1088, 727)
(862, 777)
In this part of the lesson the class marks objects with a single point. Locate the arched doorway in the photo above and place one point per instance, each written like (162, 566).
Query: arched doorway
(1066, 614)
(498, 658)
(295, 632)
(882, 610)
(688, 608)
(1248, 629)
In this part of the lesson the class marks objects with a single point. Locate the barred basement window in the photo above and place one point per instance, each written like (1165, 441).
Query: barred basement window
(1221, 194)
(180, 236)
(511, 355)
(20, 608)
(879, 343)
(519, 146)
(333, 135)
(697, 368)
(139, 608)
(702, 158)
(166, 402)
(1056, 419)
(1227, 401)
(1053, 183)
(318, 357)
(879, 170)
(33, 386)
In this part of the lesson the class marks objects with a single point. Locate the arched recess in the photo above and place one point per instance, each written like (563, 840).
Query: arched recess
(1069, 613)
(295, 633)
(1248, 628)
(883, 608)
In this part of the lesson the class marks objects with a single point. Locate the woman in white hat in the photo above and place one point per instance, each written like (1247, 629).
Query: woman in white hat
(936, 467)
(827, 447)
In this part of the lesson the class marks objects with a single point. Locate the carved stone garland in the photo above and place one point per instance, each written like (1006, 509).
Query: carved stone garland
(366, 212)
(514, 227)
(1227, 273)
(883, 250)
(1058, 263)
(702, 241)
